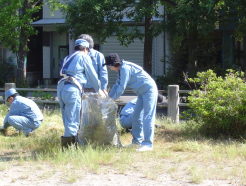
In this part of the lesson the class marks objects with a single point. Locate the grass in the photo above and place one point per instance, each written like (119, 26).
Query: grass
(178, 152)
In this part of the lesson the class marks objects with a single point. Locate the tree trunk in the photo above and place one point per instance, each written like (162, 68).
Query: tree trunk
(21, 68)
(21, 59)
(148, 45)
(192, 53)
(22, 50)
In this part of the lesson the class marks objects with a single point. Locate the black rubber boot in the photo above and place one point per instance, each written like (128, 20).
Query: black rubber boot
(68, 141)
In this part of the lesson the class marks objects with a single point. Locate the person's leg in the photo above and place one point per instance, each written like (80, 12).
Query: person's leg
(149, 106)
(60, 87)
(137, 122)
(21, 123)
(71, 110)
(126, 121)
(63, 92)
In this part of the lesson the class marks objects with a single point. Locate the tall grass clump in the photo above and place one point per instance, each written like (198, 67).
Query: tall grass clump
(218, 105)
(3, 111)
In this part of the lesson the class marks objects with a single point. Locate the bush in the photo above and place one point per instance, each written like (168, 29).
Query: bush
(219, 105)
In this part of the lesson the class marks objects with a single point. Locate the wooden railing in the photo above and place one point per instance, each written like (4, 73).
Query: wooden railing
(172, 103)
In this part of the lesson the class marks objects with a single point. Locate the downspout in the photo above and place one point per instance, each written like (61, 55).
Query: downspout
(164, 44)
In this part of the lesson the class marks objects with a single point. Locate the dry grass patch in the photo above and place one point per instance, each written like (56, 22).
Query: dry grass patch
(185, 156)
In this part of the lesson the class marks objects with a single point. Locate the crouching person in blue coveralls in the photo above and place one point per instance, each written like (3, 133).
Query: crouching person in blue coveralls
(24, 114)
(126, 112)
(143, 118)
(77, 69)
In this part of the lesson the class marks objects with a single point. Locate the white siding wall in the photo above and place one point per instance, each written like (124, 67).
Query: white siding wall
(132, 53)
(157, 56)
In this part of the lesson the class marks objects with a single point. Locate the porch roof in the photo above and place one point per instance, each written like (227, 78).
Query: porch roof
(51, 21)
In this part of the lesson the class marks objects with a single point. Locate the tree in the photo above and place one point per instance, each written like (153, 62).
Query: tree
(104, 18)
(194, 25)
(16, 17)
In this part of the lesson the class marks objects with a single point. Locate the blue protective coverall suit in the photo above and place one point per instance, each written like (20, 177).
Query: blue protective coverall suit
(134, 77)
(126, 114)
(79, 66)
(98, 60)
(23, 115)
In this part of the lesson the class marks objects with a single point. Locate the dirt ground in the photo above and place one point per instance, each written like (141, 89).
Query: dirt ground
(41, 175)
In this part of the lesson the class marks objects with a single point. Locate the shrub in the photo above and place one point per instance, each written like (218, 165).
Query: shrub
(43, 95)
(219, 104)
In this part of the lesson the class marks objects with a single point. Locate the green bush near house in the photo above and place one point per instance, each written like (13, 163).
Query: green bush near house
(43, 95)
(219, 104)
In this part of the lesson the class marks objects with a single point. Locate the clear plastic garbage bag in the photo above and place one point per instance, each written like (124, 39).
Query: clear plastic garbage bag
(98, 121)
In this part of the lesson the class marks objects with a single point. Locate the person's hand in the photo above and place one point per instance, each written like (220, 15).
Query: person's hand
(101, 94)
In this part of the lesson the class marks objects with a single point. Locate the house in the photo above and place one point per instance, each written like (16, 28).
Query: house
(56, 45)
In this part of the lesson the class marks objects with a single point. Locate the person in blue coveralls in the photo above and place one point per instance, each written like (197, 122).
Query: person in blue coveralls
(143, 118)
(24, 114)
(126, 112)
(98, 60)
(77, 70)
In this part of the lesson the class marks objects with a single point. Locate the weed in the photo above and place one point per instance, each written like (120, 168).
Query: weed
(196, 174)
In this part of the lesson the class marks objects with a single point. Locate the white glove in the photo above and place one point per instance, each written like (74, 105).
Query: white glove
(101, 94)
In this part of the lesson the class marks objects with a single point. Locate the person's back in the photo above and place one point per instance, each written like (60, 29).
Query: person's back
(98, 62)
(78, 65)
(102, 73)
(139, 79)
(134, 77)
(26, 107)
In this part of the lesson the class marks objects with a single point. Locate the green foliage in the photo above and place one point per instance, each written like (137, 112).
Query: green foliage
(202, 16)
(196, 28)
(219, 104)
(163, 81)
(43, 95)
(107, 18)
(16, 17)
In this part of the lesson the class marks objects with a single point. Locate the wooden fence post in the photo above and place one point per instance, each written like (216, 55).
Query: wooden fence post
(8, 86)
(173, 103)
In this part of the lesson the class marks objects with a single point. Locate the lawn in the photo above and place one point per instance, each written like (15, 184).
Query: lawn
(181, 156)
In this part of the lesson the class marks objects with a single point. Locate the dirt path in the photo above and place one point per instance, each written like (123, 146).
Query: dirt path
(42, 175)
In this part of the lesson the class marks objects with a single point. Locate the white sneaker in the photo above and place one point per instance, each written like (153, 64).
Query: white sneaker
(144, 148)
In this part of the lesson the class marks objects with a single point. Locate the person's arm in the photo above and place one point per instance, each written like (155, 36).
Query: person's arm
(91, 74)
(118, 89)
(12, 111)
(103, 72)
(15, 108)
